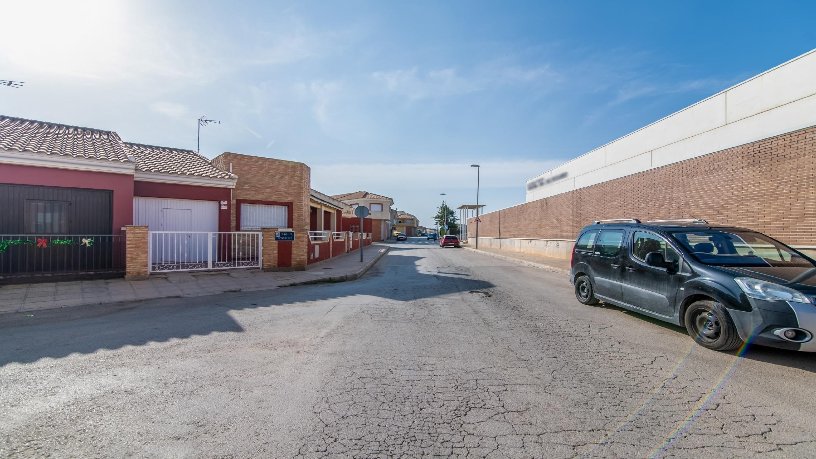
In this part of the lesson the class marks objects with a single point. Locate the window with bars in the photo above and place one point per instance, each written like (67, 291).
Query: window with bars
(46, 217)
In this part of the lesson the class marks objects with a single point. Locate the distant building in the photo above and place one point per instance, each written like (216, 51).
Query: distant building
(379, 207)
(406, 223)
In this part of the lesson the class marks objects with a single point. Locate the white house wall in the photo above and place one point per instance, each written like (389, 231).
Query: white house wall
(780, 100)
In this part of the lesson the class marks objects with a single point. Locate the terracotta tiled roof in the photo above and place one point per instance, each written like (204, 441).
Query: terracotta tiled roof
(173, 161)
(18, 134)
(405, 215)
(360, 195)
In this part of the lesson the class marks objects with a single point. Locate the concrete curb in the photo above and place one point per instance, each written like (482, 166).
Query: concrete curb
(522, 262)
(345, 277)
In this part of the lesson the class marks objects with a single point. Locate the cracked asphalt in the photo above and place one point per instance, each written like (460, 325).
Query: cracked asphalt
(435, 352)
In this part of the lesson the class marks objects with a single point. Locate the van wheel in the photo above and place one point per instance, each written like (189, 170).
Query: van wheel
(711, 326)
(584, 291)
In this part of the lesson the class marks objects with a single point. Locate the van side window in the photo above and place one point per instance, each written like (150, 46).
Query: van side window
(643, 243)
(586, 241)
(609, 243)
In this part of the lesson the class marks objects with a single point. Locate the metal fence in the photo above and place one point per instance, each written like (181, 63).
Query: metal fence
(193, 251)
(26, 255)
(319, 236)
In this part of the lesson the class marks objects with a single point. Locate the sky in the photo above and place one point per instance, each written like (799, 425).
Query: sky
(395, 98)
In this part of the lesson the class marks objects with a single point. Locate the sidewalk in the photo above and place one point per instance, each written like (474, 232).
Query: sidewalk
(559, 265)
(54, 295)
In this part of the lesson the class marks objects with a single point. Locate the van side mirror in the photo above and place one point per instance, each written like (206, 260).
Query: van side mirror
(656, 259)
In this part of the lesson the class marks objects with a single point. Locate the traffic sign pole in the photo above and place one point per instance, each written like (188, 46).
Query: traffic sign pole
(362, 212)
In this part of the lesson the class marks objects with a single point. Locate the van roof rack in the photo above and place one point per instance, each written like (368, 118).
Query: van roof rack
(694, 221)
(617, 220)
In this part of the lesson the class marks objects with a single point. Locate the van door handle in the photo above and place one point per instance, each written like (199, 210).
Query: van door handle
(614, 266)
(631, 269)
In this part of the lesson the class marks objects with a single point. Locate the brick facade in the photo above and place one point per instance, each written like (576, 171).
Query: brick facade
(766, 186)
(136, 251)
(272, 180)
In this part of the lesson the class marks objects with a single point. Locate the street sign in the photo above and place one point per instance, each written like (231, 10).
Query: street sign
(284, 235)
(361, 211)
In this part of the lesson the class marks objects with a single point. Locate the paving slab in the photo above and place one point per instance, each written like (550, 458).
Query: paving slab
(23, 298)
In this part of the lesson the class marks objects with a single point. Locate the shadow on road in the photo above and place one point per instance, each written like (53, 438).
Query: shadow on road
(802, 360)
(60, 333)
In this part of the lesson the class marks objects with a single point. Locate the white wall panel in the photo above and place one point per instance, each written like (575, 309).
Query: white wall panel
(777, 87)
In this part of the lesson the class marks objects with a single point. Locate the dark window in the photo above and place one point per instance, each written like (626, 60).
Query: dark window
(609, 243)
(46, 217)
(643, 243)
(586, 241)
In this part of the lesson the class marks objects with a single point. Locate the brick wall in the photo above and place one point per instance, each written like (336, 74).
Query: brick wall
(767, 186)
(273, 180)
(136, 248)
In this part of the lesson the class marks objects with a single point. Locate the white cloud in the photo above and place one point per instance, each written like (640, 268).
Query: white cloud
(172, 110)
(415, 85)
(345, 177)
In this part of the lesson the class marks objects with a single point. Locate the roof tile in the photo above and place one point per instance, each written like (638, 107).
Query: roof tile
(19, 134)
(173, 161)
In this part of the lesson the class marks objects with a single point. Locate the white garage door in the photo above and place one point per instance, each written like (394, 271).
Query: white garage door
(188, 216)
(175, 214)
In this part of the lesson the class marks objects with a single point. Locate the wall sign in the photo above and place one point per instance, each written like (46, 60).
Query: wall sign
(284, 235)
(223, 205)
(545, 181)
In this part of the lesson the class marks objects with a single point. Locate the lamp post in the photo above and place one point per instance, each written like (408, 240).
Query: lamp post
(478, 169)
(203, 121)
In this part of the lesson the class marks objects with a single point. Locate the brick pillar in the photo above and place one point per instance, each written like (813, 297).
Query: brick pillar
(300, 250)
(136, 251)
(270, 249)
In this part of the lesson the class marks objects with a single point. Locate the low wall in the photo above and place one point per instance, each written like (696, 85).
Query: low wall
(554, 248)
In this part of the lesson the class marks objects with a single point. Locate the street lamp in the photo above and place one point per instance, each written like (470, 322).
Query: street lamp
(203, 121)
(478, 169)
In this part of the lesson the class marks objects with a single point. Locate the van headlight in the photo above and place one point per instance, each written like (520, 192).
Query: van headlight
(769, 291)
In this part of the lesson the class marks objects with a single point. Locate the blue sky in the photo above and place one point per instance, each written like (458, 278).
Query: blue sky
(397, 98)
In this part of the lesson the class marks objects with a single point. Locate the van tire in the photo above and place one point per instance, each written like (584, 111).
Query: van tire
(584, 291)
(709, 323)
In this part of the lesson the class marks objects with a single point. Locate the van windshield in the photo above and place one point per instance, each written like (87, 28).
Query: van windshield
(738, 248)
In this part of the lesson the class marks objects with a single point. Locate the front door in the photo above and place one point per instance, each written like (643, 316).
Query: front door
(649, 287)
(605, 262)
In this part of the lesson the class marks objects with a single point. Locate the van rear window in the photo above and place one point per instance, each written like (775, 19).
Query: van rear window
(586, 241)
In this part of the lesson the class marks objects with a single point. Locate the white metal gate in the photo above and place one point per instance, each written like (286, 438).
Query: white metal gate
(193, 251)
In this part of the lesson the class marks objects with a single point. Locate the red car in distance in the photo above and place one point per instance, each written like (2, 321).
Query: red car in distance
(449, 241)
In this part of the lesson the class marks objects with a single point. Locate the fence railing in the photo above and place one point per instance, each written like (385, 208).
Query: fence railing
(319, 236)
(24, 255)
(193, 251)
(339, 236)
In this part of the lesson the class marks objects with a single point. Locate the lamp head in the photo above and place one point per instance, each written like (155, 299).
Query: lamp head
(474, 165)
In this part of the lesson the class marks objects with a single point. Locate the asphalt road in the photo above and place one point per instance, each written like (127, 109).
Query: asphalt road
(434, 352)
